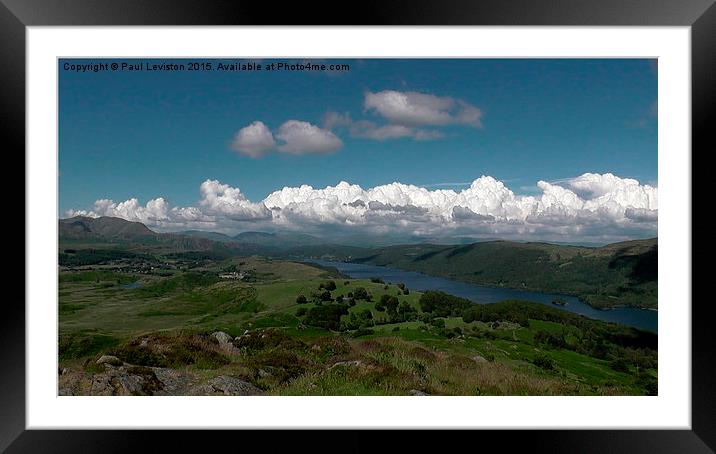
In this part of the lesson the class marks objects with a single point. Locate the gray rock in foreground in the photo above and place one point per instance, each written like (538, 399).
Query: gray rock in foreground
(227, 386)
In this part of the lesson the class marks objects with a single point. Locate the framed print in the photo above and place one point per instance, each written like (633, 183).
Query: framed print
(233, 222)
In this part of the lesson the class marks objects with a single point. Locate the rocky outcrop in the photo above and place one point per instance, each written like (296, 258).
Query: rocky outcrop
(129, 380)
(226, 343)
(346, 364)
(109, 359)
(227, 386)
(125, 380)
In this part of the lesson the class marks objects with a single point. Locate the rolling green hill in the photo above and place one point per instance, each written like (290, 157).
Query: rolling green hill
(619, 274)
(110, 232)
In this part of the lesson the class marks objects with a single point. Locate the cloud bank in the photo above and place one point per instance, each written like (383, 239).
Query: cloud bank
(589, 207)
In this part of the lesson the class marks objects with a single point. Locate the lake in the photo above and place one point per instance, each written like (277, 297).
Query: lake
(639, 318)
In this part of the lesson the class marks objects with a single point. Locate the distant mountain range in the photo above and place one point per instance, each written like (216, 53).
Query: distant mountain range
(616, 274)
(274, 240)
(115, 232)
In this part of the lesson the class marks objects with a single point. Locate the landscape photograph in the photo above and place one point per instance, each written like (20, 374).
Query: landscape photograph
(353, 227)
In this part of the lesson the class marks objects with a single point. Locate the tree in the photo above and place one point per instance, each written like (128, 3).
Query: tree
(361, 293)
(390, 304)
(300, 299)
(325, 296)
(380, 306)
(329, 285)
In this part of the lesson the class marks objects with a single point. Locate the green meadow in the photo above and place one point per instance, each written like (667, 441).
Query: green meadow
(298, 329)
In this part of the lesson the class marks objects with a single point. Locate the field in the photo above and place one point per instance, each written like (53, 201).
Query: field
(190, 331)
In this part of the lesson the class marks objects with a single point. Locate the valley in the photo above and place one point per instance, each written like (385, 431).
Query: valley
(142, 313)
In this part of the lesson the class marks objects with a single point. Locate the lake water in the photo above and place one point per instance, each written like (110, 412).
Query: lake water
(639, 318)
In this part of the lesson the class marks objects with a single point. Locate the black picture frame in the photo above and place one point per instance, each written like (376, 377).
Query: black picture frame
(16, 15)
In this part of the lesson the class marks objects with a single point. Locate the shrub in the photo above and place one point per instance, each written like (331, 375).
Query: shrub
(619, 365)
(649, 383)
(361, 293)
(543, 362)
(362, 332)
(325, 296)
(300, 299)
(329, 285)
(328, 316)
(301, 311)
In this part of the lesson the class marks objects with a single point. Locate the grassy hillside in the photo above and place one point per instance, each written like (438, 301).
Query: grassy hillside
(294, 329)
(613, 275)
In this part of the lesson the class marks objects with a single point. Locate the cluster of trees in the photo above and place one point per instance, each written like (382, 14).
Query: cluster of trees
(361, 320)
(396, 310)
(442, 304)
(626, 349)
(326, 316)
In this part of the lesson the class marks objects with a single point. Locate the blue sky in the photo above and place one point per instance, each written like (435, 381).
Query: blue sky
(161, 134)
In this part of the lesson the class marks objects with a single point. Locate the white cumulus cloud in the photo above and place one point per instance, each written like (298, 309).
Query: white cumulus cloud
(301, 137)
(295, 136)
(410, 108)
(367, 129)
(224, 200)
(254, 140)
